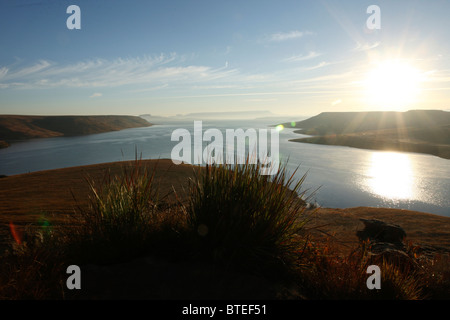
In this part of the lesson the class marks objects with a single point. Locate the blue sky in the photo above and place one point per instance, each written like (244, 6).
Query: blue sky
(175, 57)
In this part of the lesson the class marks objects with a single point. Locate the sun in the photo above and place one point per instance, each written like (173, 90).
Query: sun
(392, 84)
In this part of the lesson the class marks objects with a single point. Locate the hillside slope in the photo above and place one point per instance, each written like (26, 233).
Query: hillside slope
(352, 122)
(421, 131)
(18, 127)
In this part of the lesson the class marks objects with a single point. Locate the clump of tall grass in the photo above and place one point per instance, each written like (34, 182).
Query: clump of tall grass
(123, 206)
(32, 268)
(122, 214)
(242, 218)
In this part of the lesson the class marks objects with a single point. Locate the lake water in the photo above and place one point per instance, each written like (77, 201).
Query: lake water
(347, 177)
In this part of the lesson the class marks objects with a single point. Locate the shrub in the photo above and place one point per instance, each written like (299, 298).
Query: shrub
(241, 218)
(122, 215)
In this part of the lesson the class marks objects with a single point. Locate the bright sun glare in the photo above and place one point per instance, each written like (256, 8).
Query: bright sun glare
(391, 175)
(393, 84)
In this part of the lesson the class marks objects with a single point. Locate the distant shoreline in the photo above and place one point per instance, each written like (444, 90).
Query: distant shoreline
(15, 128)
(419, 131)
(373, 142)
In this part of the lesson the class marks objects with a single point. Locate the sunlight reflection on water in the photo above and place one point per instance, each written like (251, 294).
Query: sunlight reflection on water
(391, 175)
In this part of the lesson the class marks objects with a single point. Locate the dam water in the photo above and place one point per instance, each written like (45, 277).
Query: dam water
(343, 177)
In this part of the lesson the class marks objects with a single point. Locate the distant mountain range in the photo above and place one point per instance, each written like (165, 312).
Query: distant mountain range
(423, 131)
(19, 127)
(240, 115)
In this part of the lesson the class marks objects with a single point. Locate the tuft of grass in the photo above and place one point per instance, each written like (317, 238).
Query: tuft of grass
(243, 219)
(33, 269)
(123, 206)
(333, 277)
(121, 216)
(435, 277)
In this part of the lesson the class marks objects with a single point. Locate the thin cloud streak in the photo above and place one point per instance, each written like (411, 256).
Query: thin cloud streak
(3, 72)
(283, 36)
(365, 46)
(327, 77)
(317, 66)
(296, 58)
(109, 73)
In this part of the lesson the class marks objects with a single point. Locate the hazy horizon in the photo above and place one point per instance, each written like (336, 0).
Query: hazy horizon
(292, 58)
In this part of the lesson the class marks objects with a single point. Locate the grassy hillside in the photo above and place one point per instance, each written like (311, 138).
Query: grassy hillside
(149, 229)
(18, 127)
(352, 122)
(422, 131)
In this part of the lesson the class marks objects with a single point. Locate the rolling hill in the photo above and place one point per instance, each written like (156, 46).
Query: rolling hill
(422, 131)
(20, 127)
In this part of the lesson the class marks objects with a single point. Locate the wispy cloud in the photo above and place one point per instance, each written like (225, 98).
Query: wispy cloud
(436, 76)
(260, 100)
(153, 88)
(96, 95)
(29, 71)
(365, 46)
(329, 77)
(317, 66)
(283, 36)
(3, 72)
(34, 4)
(301, 57)
(149, 71)
(207, 87)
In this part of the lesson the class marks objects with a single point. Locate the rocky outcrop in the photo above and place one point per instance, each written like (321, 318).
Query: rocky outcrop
(385, 242)
(380, 231)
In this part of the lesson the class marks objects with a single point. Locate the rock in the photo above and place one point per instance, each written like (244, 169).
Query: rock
(380, 247)
(389, 252)
(385, 243)
(380, 231)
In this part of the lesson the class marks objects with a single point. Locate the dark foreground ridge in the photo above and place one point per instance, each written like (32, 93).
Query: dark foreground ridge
(19, 127)
(163, 251)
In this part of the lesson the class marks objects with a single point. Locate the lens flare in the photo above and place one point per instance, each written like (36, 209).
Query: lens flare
(15, 233)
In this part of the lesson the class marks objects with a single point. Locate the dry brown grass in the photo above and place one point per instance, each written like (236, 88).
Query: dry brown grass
(42, 199)
(25, 198)
(422, 229)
